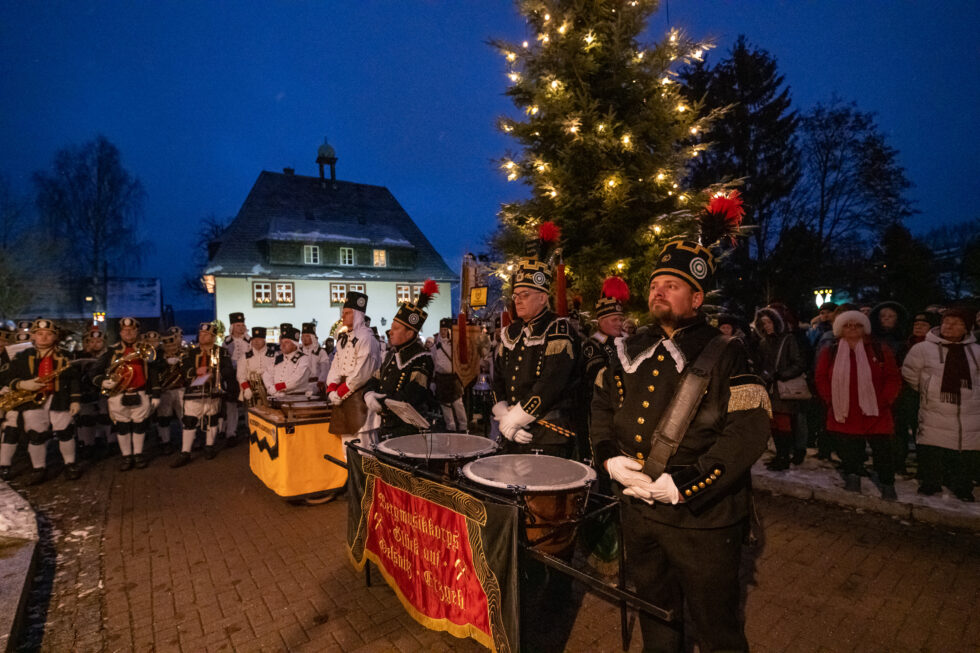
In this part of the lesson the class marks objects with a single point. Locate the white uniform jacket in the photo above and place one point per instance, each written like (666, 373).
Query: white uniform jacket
(358, 355)
(288, 375)
(254, 363)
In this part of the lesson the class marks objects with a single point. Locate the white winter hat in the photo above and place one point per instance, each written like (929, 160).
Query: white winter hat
(851, 316)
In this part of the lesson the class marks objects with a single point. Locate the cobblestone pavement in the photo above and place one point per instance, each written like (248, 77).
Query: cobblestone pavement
(205, 558)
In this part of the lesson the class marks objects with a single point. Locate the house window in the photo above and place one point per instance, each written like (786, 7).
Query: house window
(416, 291)
(380, 258)
(356, 287)
(403, 293)
(311, 254)
(284, 294)
(261, 293)
(338, 293)
(347, 256)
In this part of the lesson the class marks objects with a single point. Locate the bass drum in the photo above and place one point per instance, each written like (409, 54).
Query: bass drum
(440, 453)
(554, 492)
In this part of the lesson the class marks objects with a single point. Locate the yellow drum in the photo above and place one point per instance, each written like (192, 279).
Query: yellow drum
(286, 450)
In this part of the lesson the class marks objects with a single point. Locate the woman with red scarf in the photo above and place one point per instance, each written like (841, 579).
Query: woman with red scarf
(858, 381)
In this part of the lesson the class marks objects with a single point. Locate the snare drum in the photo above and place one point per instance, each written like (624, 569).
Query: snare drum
(441, 453)
(554, 492)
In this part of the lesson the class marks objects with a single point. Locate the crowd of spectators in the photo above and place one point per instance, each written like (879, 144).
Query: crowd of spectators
(862, 380)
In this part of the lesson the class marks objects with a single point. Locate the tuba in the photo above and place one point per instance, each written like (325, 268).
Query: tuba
(122, 373)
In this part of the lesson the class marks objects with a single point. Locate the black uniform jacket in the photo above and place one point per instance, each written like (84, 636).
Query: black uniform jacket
(404, 375)
(114, 353)
(727, 435)
(25, 365)
(222, 378)
(536, 366)
(596, 352)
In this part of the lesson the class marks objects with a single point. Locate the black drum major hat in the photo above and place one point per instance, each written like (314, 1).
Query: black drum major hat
(413, 315)
(236, 318)
(258, 332)
(356, 300)
(309, 327)
(534, 269)
(688, 260)
(289, 333)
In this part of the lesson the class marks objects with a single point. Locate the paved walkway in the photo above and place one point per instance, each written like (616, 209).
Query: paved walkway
(206, 559)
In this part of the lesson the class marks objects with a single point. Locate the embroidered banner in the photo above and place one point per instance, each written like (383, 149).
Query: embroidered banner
(443, 552)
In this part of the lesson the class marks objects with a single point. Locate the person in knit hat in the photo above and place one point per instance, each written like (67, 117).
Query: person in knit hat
(945, 370)
(858, 381)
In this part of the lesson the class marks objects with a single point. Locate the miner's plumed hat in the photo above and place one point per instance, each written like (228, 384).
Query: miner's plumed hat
(615, 293)
(209, 327)
(289, 333)
(258, 332)
(309, 327)
(175, 330)
(689, 261)
(534, 268)
(23, 325)
(356, 300)
(129, 322)
(413, 315)
(44, 323)
(236, 318)
(151, 335)
(446, 323)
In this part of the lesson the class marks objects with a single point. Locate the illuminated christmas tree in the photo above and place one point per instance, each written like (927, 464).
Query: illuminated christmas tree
(604, 137)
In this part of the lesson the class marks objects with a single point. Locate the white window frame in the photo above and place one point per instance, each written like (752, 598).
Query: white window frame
(347, 253)
(262, 293)
(380, 258)
(357, 287)
(285, 287)
(338, 293)
(311, 254)
(403, 293)
(416, 291)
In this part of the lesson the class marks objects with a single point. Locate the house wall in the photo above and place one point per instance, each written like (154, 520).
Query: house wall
(312, 301)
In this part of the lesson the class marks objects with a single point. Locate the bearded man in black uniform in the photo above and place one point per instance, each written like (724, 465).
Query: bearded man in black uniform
(407, 368)
(685, 505)
(536, 364)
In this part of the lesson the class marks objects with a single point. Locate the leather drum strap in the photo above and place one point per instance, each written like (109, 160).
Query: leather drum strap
(682, 407)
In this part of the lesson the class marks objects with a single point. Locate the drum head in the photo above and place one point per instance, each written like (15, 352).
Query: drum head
(530, 473)
(438, 446)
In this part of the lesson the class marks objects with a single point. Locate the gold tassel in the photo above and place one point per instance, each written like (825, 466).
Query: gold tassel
(559, 346)
(747, 397)
(420, 378)
(598, 379)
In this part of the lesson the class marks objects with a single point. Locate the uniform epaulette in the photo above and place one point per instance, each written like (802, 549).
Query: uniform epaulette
(747, 392)
(559, 328)
(296, 356)
(280, 357)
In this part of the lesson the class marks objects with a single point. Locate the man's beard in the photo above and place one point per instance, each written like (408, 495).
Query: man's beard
(663, 314)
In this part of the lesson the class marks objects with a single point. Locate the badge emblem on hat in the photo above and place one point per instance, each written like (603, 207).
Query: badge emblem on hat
(413, 318)
(539, 279)
(361, 302)
(665, 258)
(699, 268)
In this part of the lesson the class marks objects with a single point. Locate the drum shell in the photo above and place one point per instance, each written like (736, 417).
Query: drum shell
(553, 515)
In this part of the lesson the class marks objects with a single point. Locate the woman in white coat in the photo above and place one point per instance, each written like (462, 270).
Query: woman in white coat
(945, 369)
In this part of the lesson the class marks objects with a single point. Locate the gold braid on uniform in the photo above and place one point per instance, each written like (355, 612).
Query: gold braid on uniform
(746, 393)
(558, 346)
(598, 379)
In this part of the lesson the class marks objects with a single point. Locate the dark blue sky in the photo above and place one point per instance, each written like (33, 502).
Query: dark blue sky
(201, 96)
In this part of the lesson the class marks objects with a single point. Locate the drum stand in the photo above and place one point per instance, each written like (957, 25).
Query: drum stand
(597, 505)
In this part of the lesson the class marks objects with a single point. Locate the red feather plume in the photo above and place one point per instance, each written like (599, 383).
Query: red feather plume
(616, 288)
(549, 232)
(429, 288)
(729, 207)
(722, 218)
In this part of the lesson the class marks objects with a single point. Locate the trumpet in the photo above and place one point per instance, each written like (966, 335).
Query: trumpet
(259, 395)
(122, 373)
(16, 398)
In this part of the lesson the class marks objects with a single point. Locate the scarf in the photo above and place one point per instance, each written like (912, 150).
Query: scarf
(841, 382)
(956, 374)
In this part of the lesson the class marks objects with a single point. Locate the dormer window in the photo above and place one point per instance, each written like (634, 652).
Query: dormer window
(380, 258)
(311, 254)
(347, 256)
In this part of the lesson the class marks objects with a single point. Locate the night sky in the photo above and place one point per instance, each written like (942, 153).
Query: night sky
(202, 96)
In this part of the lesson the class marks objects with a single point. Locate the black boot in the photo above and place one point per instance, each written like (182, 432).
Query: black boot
(167, 448)
(141, 461)
(231, 441)
(182, 459)
(210, 452)
(888, 493)
(38, 476)
(126, 464)
(73, 471)
(852, 483)
(5, 473)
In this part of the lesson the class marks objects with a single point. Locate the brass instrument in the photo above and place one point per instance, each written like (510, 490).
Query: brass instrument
(16, 398)
(173, 376)
(259, 395)
(122, 373)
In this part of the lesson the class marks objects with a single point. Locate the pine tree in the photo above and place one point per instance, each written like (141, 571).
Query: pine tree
(604, 137)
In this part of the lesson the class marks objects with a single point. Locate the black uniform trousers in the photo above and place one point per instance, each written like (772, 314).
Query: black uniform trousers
(697, 567)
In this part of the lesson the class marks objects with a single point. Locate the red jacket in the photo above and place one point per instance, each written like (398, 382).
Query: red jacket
(885, 377)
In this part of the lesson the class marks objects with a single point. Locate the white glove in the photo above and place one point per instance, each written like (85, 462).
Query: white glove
(334, 398)
(173, 360)
(663, 490)
(515, 419)
(30, 385)
(247, 394)
(154, 402)
(626, 471)
(499, 410)
(73, 408)
(108, 384)
(373, 401)
(522, 437)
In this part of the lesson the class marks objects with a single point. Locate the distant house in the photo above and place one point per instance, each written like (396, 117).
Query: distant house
(298, 244)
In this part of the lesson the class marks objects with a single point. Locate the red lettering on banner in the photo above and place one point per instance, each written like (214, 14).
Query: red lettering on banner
(424, 548)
